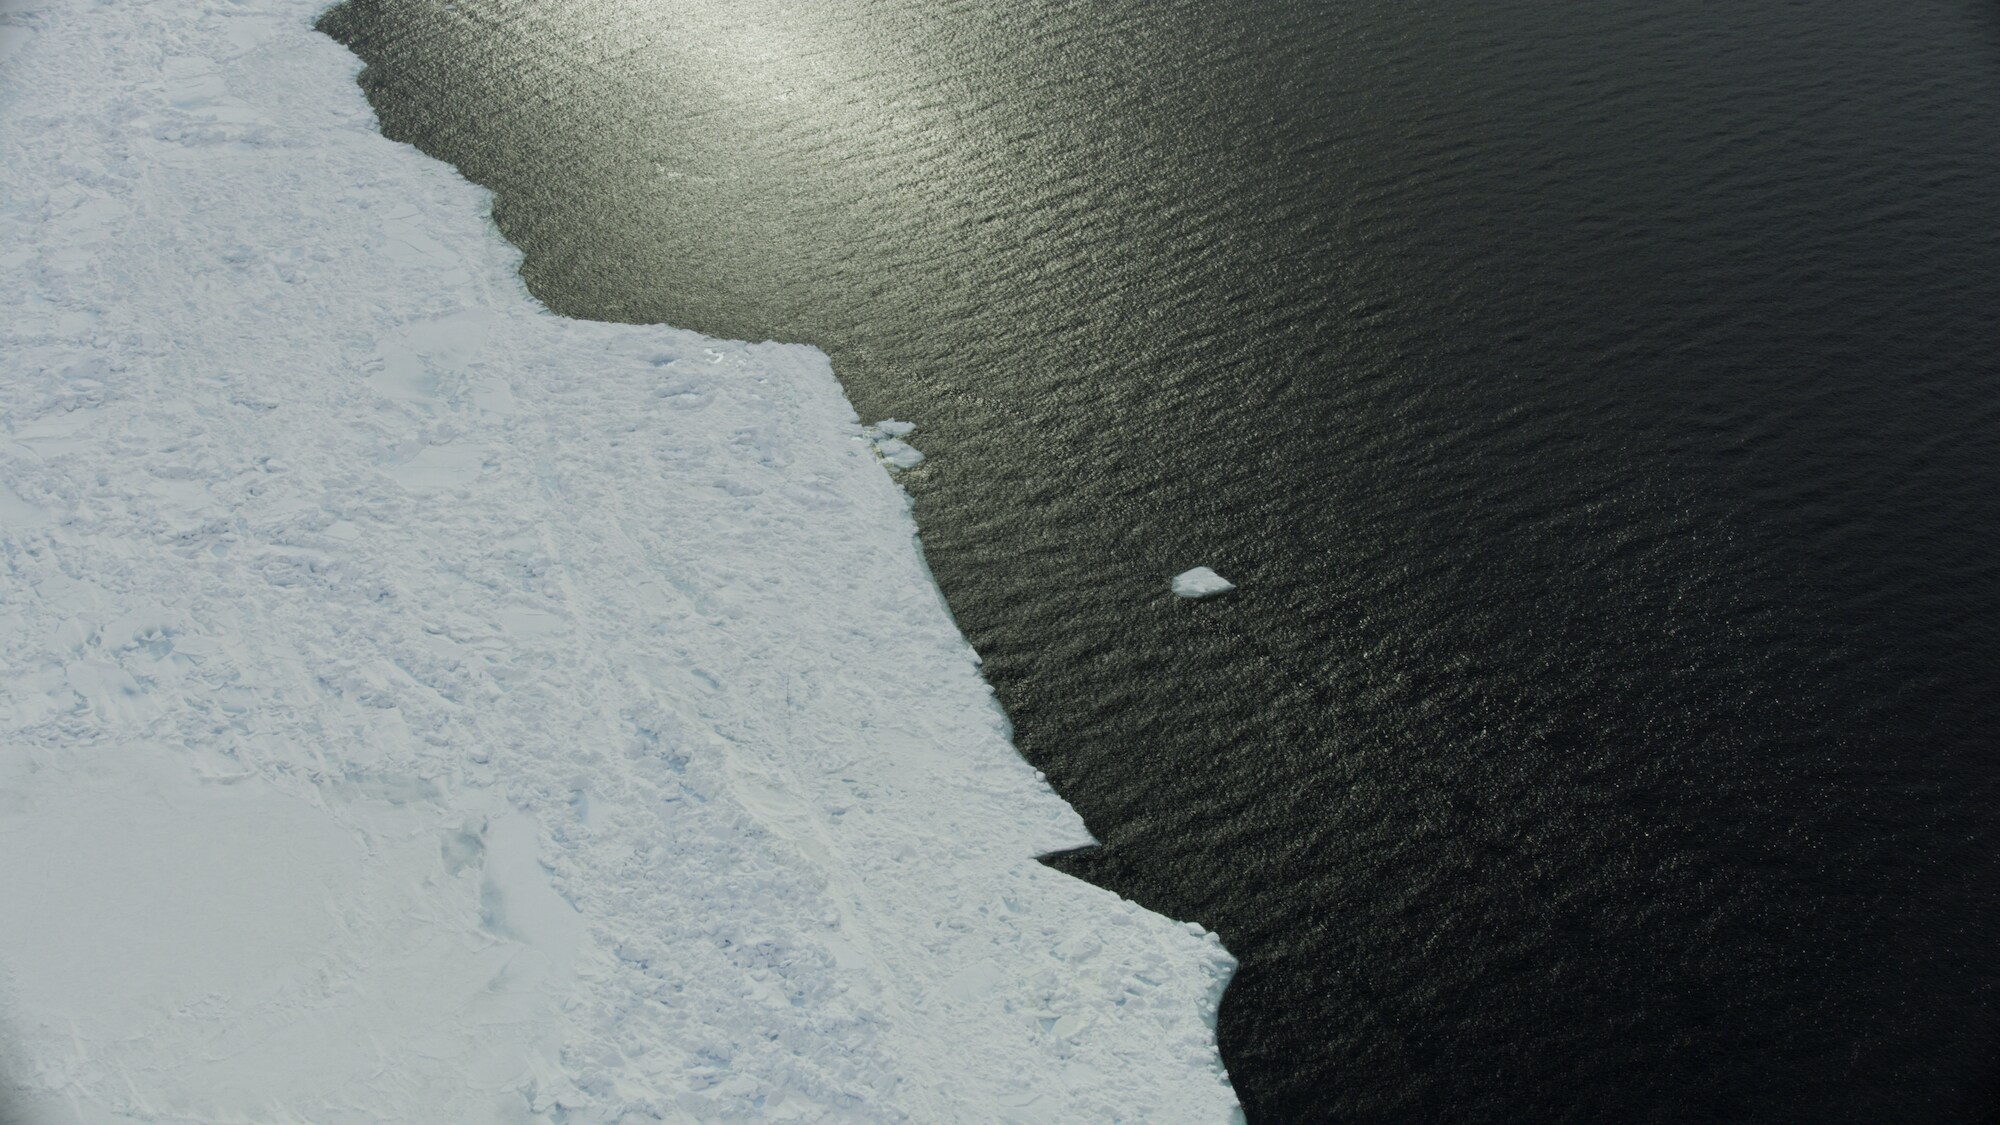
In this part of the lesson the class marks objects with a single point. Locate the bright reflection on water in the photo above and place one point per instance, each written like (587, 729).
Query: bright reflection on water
(1594, 399)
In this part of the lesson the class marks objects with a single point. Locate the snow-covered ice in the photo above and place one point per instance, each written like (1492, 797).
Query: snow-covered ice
(1201, 582)
(417, 707)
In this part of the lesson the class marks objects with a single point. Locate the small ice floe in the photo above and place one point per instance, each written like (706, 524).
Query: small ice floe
(888, 435)
(899, 454)
(1201, 582)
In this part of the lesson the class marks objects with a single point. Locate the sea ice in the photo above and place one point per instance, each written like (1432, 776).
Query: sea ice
(1201, 582)
(887, 437)
(418, 707)
(899, 454)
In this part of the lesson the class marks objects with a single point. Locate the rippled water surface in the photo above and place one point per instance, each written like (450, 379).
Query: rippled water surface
(1597, 402)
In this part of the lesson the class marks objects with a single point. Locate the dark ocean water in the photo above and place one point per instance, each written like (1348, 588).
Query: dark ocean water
(1597, 402)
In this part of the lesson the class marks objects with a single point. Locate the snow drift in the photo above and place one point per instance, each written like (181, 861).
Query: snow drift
(417, 707)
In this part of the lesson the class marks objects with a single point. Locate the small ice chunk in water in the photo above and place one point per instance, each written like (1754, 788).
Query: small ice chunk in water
(887, 435)
(1201, 582)
(899, 454)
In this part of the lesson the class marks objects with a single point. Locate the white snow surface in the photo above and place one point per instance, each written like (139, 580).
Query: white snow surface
(417, 707)
(1201, 582)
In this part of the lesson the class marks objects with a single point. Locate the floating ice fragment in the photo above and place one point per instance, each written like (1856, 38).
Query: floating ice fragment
(899, 454)
(1201, 582)
(886, 436)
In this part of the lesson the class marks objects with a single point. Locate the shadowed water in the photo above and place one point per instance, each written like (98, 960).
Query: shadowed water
(1595, 401)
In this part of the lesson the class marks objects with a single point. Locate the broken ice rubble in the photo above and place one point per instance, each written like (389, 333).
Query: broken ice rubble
(888, 436)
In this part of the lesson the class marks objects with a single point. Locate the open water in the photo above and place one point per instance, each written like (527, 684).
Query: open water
(1597, 402)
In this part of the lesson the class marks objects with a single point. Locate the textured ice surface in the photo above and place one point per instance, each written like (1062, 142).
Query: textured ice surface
(1201, 582)
(417, 707)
